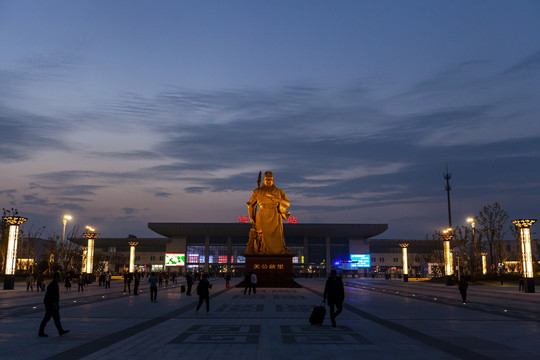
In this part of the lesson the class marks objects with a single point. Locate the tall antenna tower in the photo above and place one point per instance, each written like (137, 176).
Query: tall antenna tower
(447, 176)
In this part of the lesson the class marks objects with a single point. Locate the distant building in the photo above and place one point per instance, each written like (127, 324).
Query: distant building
(218, 247)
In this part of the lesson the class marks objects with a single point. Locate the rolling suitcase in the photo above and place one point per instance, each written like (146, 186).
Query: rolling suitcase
(317, 314)
(182, 288)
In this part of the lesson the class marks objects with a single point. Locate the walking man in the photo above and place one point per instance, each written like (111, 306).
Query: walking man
(334, 294)
(463, 285)
(203, 292)
(137, 281)
(247, 284)
(108, 280)
(153, 287)
(80, 287)
(52, 308)
(189, 282)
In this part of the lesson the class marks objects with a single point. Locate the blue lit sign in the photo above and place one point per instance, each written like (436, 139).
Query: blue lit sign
(360, 260)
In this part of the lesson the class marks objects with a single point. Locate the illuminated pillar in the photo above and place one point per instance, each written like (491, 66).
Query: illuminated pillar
(446, 236)
(11, 256)
(91, 236)
(484, 263)
(405, 262)
(524, 226)
(84, 254)
(132, 245)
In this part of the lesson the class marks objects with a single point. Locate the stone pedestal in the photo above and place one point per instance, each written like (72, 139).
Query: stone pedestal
(272, 270)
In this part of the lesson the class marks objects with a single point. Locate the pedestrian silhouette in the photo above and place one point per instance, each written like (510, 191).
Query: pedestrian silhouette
(463, 285)
(52, 307)
(334, 294)
(203, 292)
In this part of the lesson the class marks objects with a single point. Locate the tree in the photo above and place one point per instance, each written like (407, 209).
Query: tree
(437, 254)
(28, 246)
(492, 220)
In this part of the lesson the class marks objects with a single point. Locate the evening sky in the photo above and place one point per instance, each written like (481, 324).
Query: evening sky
(122, 113)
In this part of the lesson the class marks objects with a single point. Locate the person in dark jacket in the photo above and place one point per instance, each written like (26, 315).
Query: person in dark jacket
(52, 308)
(189, 282)
(153, 280)
(334, 294)
(247, 283)
(203, 292)
(463, 285)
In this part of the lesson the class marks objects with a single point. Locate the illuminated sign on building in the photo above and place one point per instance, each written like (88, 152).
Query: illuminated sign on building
(243, 219)
(175, 259)
(268, 266)
(292, 220)
(360, 260)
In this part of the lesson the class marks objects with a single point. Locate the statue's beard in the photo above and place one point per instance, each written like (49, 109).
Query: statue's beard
(268, 187)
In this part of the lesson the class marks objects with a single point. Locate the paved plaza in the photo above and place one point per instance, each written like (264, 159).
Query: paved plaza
(382, 319)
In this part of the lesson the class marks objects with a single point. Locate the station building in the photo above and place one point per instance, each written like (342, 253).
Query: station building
(218, 247)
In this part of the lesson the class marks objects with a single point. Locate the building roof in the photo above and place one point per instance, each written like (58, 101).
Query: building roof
(172, 230)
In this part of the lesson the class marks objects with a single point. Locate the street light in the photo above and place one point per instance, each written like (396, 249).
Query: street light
(473, 241)
(91, 236)
(524, 226)
(405, 262)
(446, 236)
(64, 221)
(11, 258)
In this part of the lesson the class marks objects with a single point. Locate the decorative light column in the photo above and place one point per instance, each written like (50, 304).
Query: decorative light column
(446, 236)
(405, 262)
(11, 258)
(484, 263)
(132, 245)
(524, 226)
(84, 255)
(91, 236)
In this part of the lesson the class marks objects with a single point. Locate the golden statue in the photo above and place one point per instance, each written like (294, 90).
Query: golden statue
(266, 236)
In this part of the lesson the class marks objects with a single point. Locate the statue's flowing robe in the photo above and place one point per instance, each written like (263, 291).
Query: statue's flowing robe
(269, 218)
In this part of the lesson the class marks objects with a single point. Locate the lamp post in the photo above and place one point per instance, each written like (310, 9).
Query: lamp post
(446, 236)
(484, 263)
(405, 262)
(91, 236)
(524, 226)
(11, 258)
(132, 245)
(473, 241)
(64, 221)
